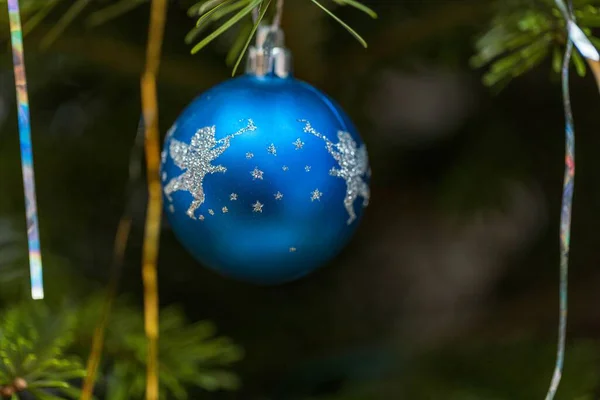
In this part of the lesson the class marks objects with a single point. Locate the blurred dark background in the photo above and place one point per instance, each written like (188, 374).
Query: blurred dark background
(450, 287)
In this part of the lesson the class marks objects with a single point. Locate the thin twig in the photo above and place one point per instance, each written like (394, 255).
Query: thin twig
(120, 246)
(154, 212)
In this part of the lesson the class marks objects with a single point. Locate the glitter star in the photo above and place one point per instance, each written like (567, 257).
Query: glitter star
(225, 210)
(211, 212)
(353, 165)
(285, 168)
(233, 196)
(315, 195)
(278, 196)
(257, 207)
(256, 173)
(307, 168)
(201, 217)
(249, 155)
(272, 149)
(298, 143)
(292, 249)
(196, 159)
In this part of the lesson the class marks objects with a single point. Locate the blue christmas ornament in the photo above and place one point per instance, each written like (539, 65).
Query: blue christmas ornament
(264, 177)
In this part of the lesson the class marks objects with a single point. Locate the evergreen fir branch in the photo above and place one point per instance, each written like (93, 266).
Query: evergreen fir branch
(250, 5)
(33, 342)
(523, 33)
(190, 355)
(210, 11)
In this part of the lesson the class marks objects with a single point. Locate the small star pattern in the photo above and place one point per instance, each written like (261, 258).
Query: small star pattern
(257, 207)
(315, 195)
(256, 173)
(299, 144)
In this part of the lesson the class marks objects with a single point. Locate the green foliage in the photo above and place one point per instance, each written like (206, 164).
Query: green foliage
(39, 345)
(211, 11)
(523, 33)
(33, 342)
(33, 12)
(190, 355)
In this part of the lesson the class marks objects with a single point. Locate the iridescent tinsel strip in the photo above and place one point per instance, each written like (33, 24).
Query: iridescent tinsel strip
(35, 258)
(567, 197)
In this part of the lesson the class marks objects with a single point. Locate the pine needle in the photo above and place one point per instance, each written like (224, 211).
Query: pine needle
(358, 6)
(232, 21)
(348, 28)
(39, 16)
(72, 13)
(113, 11)
(265, 8)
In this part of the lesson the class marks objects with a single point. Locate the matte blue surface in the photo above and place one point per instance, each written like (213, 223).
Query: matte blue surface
(253, 246)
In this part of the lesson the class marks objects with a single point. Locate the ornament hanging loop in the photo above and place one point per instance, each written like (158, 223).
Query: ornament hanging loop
(269, 56)
(278, 14)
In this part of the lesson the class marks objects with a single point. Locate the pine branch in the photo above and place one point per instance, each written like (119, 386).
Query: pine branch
(210, 11)
(523, 33)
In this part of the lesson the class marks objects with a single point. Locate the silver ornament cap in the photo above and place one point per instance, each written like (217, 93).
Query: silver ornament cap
(269, 54)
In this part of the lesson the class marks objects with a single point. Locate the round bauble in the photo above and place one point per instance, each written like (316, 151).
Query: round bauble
(264, 177)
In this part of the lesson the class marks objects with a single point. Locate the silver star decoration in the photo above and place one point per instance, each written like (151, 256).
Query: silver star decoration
(225, 210)
(285, 168)
(278, 196)
(233, 196)
(298, 143)
(195, 159)
(211, 212)
(249, 155)
(201, 217)
(315, 195)
(292, 249)
(272, 149)
(171, 208)
(256, 173)
(353, 162)
(307, 168)
(257, 207)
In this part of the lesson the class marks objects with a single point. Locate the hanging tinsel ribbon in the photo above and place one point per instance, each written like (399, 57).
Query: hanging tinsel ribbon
(33, 236)
(575, 36)
(154, 212)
